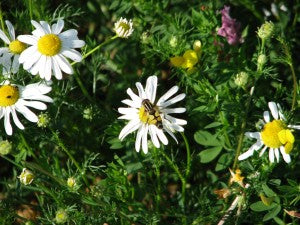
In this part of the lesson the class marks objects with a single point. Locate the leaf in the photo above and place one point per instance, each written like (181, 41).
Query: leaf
(212, 125)
(205, 138)
(209, 154)
(272, 213)
(268, 191)
(260, 206)
(224, 161)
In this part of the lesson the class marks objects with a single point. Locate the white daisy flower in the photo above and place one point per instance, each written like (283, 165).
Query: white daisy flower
(275, 135)
(14, 49)
(146, 116)
(15, 98)
(49, 50)
(123, 28)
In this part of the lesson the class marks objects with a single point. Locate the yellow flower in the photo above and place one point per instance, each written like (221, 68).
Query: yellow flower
(187, 61)
(236, 177)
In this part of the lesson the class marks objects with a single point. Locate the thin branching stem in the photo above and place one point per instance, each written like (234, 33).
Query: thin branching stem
(61, 144)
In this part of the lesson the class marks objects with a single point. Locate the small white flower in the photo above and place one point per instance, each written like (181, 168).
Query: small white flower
(275, 135)
(49, 50)
(123, 28)
(146, 116)
(14, 49)
(26, 177)
(15, 98)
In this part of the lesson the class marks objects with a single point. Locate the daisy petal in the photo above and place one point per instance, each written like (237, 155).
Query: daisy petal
(7, 125)
(34, 104)
(286, 157)
(162, 137)
(153, 135)
(131, 103)
(167, 95)
(57, 27)
(30, 56)
(72, 54)
(274, 110)
(16, 119)
(139, 138)
(15, 65)
(38, 27)
(150, 89)
(63, 64)
(145, 139)
(4, 37)
(134, 97)
(28, 39)
(255, 135)
(175, 110)
(128, 111)
(266, 116)
(173, 100)
(56, 70)
(170, 133)
(276, 151)
(141, 91)
(11, 30)
(129, 128)
(263, 151)
(28, 114)
(271, 155)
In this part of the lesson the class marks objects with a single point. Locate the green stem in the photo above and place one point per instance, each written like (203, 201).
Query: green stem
(188, 156)
(29, 149)
(294, 86)
(61, 144)
(1, 19)
(243, 126)
(30, 8)
(182, 179)
(157, 173)
(82, 87)
(96, 48)
(11, 161)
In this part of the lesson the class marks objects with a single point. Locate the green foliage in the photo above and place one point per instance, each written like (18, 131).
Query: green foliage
(188, 182)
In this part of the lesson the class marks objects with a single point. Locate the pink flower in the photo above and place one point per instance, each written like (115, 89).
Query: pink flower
(230, 28)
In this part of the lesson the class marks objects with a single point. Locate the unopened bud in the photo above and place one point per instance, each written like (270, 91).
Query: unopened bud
(261, 61)
(197, 46)
(266, 30)
(71, 182)
(26, 177)
(173, 41)
(61, 216)
(43, 120)
(241, 79)
(5, 147)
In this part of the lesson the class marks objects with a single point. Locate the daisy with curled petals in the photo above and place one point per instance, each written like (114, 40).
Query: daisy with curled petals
(14, 49)
(147, 116)
(123, 28)
(17, 98)
(275, 135)
(49, 49)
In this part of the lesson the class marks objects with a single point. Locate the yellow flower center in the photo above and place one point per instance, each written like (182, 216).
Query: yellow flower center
(16, 47)
(49, 44)
(270, 132)
(9, 95)
(125, 26)
(146, 117)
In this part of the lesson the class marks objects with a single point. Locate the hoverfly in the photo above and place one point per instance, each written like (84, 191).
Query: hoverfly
(154, 116)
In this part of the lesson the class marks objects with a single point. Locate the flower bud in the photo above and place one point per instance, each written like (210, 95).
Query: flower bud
(5, 147)
(197, 46)
(61, 216)
(173, 41)
(261, 61)
(266, 30)
(241, 79)
(43, 120)
(26, 177)
(71, 182)
(123, 28)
